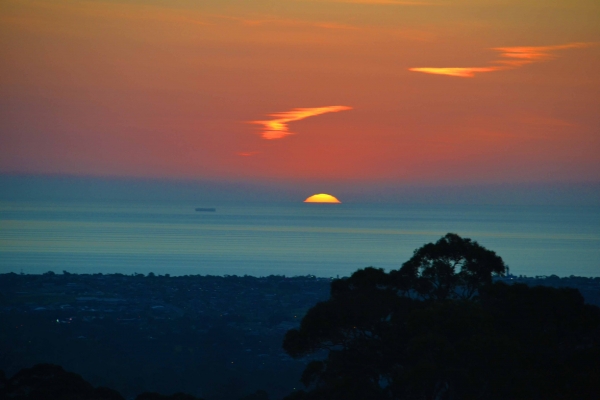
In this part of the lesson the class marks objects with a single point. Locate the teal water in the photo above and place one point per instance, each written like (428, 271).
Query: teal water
(291, 239)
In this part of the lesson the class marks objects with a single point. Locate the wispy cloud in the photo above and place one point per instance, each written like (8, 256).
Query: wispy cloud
(510, 58)
(466, 72)
(277, 128)
(247, 153)
(519, 56)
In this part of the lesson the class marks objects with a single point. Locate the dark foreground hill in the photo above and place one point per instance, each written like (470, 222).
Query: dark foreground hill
(219, 338)
(212, 337)
(52, 382)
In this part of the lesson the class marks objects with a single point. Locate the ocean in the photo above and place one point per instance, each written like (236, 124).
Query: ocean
(325, 240)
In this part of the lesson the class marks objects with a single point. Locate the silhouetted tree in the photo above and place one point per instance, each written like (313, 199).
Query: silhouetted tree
(440, 329)
(452, 267)
(3, 380)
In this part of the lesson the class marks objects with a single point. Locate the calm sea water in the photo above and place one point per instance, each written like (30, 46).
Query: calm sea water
(292, 239)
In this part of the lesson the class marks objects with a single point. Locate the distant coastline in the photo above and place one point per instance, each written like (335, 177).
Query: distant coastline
(206, 209)
(588, 286)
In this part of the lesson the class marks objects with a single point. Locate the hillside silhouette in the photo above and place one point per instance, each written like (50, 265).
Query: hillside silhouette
(451, 323)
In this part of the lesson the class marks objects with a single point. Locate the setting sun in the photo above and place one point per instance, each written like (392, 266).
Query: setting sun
(322, 198)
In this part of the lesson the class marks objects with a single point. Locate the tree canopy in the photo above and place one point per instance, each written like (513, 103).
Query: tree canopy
(440, 328)
(452, 267)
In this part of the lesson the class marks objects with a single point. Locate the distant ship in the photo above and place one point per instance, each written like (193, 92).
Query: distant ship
(206, 209)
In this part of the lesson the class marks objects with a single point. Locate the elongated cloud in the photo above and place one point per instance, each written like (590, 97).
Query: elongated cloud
(519, 56)
(467, 72)
(277, 128)
(511, 58)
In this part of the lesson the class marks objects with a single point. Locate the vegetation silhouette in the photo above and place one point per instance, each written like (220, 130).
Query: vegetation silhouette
(48, 382)
(52, 382)
(440, 328)
(158, 396)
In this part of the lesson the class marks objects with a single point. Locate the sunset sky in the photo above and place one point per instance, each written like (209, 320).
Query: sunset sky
(433, 91)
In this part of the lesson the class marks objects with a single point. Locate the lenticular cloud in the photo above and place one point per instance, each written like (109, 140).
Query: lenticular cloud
(277, 128)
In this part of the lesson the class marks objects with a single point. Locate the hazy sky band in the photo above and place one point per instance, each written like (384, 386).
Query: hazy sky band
(164, 89)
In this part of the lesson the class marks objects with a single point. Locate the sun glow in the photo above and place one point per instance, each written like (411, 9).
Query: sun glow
(322, 198)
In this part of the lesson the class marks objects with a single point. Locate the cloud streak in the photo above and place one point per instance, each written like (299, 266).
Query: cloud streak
(277, 128)
(510, 58)
(466, 72)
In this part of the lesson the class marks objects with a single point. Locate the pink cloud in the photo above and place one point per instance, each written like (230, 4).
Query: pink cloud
(510, 58)
(466, 72)
(277, 128)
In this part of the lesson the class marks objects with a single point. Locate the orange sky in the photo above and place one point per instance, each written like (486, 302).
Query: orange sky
(467, 91)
